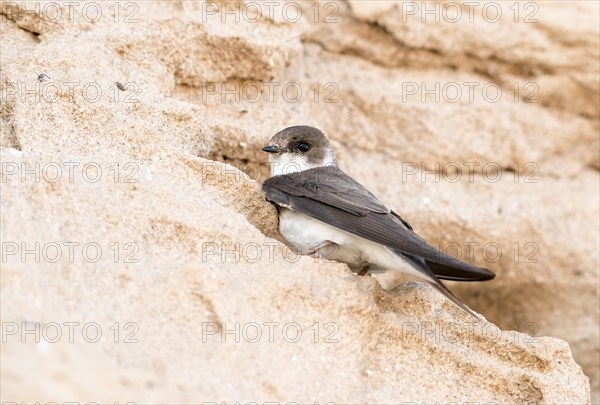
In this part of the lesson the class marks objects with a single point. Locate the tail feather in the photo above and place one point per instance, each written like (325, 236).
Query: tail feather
(457, 270)
(446, 267)
(444, 290)
(432, 279)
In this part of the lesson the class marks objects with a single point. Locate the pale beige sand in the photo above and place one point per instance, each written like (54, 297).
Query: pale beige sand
(188, 249)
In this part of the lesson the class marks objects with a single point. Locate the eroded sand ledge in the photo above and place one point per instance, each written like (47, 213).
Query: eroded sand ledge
(164, 206)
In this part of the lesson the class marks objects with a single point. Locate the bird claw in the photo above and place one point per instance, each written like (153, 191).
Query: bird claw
(364, 271)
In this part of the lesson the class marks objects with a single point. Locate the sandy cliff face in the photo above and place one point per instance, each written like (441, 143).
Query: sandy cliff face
(138, 249)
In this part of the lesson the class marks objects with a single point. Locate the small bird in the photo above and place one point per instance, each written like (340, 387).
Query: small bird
(324, 212)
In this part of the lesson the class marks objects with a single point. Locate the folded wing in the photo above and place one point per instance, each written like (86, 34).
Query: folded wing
(333, 197)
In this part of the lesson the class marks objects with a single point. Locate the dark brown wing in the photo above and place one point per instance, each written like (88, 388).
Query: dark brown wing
(333, 197)
(328, 185)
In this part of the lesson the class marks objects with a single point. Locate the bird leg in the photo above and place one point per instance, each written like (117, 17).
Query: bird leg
(364, 271)
(314, 251)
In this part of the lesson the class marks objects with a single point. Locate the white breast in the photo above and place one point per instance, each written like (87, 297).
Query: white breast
(305, 233)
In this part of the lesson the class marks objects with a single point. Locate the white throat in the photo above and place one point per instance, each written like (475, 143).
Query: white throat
(288, 163)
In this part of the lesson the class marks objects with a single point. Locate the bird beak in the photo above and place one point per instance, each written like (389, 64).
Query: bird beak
(271, 149)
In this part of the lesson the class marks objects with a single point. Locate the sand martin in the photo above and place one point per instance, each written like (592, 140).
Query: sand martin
(324, 212)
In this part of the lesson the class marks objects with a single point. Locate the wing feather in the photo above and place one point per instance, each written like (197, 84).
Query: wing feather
(333, 197)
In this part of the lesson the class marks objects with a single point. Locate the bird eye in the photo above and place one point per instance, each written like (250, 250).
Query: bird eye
(304, 147)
